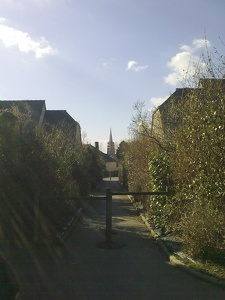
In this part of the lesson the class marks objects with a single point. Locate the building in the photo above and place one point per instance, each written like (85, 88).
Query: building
(36, 108)
(110, 162)
(162, 120)
(54, 117)
(43, 117)
(169, 114)
(111, 146)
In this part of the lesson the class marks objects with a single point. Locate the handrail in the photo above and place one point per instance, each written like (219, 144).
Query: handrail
(109, 194)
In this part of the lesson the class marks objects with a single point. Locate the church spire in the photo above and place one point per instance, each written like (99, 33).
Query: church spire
(111, 145)
(110, 137)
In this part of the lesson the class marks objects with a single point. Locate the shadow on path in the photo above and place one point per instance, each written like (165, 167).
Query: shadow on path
(80, 270)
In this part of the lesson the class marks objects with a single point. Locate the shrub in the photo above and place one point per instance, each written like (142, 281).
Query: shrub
(45, 167)
(203, 233)
(185, 149)
(159, 177)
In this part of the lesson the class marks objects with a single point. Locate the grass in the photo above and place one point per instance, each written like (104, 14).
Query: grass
(211, 269)
(207, 268)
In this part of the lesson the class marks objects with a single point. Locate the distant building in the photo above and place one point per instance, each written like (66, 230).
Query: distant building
(162, 120)
(110, 162)
(111, 146)
(54, 117)
(36, 108)
(43, 117)
(168, 116)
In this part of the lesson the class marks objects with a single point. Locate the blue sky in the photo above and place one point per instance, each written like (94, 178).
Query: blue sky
(96, 58)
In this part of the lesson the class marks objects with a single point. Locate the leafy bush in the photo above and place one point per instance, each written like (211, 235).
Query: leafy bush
(159, 176)
(203, 233)
(185, 150)
(40, 166)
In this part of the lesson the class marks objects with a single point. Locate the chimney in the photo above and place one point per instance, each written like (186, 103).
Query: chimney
(97, 145)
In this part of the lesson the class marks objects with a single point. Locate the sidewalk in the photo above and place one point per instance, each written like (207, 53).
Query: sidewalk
(80, 270)
(172, 245)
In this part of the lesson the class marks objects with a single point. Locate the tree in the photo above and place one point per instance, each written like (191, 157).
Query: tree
(186, 152)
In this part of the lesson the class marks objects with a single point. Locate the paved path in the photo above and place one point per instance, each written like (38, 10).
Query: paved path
(80, 270)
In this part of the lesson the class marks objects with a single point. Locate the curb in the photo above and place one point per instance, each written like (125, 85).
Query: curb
(176, 262)
(62, 236)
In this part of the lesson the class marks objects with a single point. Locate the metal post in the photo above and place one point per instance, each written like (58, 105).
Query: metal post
(108, 216)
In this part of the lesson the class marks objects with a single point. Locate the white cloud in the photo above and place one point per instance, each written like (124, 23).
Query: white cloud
(185, 63)
(133, 65)
(158, 101)
(186, 48)
(200, 43)
(12, 37)
(182, 65)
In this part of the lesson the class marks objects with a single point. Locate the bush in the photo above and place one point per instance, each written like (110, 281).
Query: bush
(159, 177)
(203, 233)
(185, 150)
(45, 167)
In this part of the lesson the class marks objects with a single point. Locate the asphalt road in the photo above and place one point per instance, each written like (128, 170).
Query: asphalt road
(81, 270)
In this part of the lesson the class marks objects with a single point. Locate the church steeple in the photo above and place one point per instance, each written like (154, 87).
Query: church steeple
(110, 136)
(111, 145)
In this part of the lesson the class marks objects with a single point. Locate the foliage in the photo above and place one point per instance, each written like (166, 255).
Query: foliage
(188, 157)
(203, 232)
(45, 165)
(199, 170)
(120, 154)
(159, 176)
(136, 160)
(140, 122)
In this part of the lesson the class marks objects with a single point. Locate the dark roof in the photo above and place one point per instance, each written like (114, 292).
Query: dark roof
(62, 118)
(170, 119)
(181, 93)
(36, 106)
(104, 156)
(177, 96)
(54, 117)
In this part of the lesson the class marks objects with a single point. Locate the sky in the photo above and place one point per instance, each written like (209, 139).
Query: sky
(96, 58)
